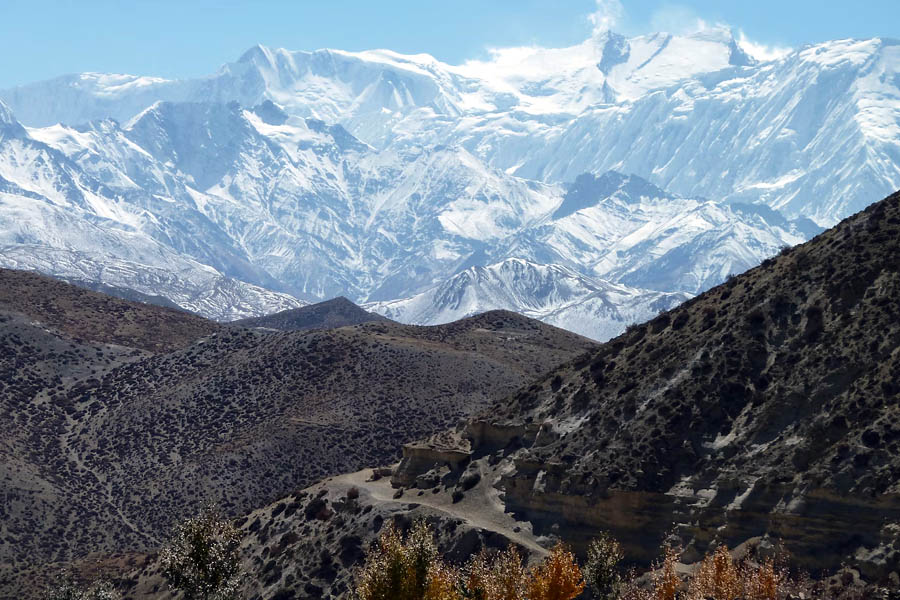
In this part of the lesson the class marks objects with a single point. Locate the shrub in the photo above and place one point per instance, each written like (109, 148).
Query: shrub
(601, 571)
(469, 480)
(202, 559)
(717, 578)
(764, 582)
(443, 583)
(666, 583)
(410, 568)
(66, 589)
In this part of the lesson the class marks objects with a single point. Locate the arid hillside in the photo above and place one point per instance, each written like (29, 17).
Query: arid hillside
(768, 406)
(107, 446)
(337, 312)
(82, 314)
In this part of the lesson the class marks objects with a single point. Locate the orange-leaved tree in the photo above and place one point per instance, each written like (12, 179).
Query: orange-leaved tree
(557, 577)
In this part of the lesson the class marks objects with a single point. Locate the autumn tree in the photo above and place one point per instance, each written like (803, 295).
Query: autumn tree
(557, 577)
(398, 568)
(498, 576)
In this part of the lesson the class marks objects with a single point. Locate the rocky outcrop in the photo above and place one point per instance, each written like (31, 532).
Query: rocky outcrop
(420, 459)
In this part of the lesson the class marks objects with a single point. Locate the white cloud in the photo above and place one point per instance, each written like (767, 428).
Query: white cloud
(609, 13)
(759, 51)
(677, 19)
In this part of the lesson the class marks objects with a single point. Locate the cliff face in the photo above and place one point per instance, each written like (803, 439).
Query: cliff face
(767, 407)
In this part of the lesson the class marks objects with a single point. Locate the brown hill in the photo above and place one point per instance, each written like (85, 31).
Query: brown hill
(107, 462)
(87, 315)
(337, 312)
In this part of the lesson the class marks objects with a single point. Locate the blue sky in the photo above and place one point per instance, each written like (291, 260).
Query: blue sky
(41, 38)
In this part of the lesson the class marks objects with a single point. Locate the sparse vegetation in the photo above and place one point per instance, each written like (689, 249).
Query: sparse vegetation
(67, 589)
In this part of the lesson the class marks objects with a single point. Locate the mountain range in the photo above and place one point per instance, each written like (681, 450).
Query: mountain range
(651, 167)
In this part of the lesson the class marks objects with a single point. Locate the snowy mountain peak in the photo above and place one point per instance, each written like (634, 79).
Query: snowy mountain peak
(552, 293)
(589, 190)
(257, 55)
(6, 115)
(9, 126)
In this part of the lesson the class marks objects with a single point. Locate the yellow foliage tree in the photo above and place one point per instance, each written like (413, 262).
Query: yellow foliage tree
(763, 582)
(501, 577)
(398, 568)
(443, 583)
(666, 582)
(556, 578)
(717, 577)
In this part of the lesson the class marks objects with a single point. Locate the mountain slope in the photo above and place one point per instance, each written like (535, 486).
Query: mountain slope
(82, 314)
(60, 219)
(766, 406)
(624, 229)
(338, 312)
(286, 203)
(107, 446)
(551, 293)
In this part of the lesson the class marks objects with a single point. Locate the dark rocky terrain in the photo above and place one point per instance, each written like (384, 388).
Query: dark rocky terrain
(82, 314)
(108, 445)
(337, 312)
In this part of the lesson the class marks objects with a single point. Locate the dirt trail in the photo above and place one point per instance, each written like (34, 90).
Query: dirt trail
(480, 508)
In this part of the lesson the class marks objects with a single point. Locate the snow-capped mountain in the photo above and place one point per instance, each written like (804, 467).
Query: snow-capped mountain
(297, 205)
(388, 178)
(625, 229)
(59, 219)
(554, 294)
(815, 133)
(189, 197)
